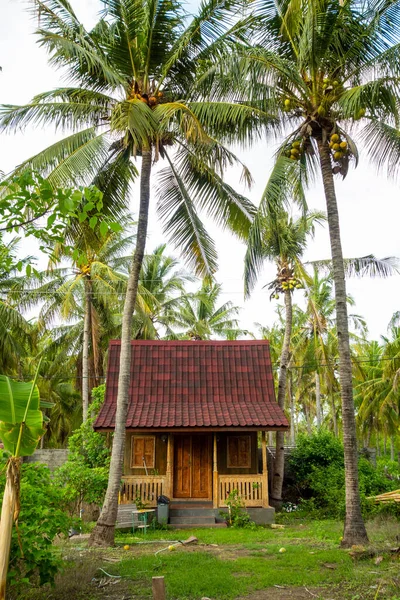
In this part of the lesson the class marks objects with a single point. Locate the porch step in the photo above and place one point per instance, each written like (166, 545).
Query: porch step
(190, 515)
(210, 520)
(191, 512)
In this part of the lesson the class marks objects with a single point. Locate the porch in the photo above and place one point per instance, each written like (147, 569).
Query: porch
(190, 468)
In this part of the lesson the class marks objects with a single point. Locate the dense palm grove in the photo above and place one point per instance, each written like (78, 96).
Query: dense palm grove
(172, 304)
(151, 86)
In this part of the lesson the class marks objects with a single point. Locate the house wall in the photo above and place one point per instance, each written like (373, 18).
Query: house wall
(222, 454)
(160, 467)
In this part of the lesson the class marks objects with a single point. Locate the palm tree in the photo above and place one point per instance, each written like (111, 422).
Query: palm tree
(161, 288)
(15, 330)
(377, 392)
(133, 72)
(283, 241)
(83, 295)
(202, 318)
(322, 69)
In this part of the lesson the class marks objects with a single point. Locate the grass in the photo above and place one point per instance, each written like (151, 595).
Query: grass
(229, 563)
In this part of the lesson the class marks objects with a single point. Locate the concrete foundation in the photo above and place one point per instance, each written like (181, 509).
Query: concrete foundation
(260, 516)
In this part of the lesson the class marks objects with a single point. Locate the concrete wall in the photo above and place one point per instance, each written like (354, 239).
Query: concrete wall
(52, 457)
(260, 516)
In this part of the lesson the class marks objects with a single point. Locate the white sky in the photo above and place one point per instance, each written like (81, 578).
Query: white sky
(368, 204)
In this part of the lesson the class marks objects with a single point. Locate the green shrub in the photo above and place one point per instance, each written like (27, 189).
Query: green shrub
(319, 450)
(317, 469)
(237, 514)
(84, 477)
(33, 558)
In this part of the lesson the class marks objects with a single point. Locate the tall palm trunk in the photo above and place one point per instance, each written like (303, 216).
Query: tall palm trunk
(85, 351)
(334, 416)
(103, 533)
(279, 463)
(292, 412)
(354, 528)
(318, 400)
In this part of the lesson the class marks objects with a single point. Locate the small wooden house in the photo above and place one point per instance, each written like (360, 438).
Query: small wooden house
(198, 412)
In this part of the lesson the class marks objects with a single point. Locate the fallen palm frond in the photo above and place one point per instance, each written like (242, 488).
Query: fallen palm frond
(387, 497)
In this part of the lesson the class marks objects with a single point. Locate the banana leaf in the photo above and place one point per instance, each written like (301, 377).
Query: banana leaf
(21, 420)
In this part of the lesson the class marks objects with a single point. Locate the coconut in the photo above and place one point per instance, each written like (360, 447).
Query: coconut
(343, 145)
(338, 155)
(335, 138)
(287, 102)
(296, 144)
(336, 147)
(295, 151)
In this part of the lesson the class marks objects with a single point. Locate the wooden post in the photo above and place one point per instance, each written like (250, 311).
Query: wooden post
(158, 585)
(168, 478)
(215, 473)
(265, 499)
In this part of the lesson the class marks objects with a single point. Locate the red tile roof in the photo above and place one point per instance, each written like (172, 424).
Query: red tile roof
(195, 384)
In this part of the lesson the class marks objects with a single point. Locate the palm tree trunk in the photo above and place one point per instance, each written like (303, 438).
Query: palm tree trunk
(279, 462)
(85, 352)
(306, 411)
(103, 533)
(318, 400)
(354, 528)
(292, 412)
(334, 416)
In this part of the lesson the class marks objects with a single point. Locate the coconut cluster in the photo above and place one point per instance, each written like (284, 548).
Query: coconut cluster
(287, 284)
(151, 100)
(338, 147)
(294, 150)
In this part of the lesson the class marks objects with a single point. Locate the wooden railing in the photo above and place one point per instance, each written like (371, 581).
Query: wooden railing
(145, 487)
(249, 488)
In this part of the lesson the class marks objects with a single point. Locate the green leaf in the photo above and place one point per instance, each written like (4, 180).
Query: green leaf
(88, 207)
(103, 228)
(93, 222)
(51, 220)
(28, 270)
(20, 416)
(116, 227)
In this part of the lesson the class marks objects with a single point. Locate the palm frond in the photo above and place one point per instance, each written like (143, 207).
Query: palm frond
(182, 223)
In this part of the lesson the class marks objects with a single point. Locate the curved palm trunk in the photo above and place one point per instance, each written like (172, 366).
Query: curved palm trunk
(103, 533)
(85, 352)
(279, 463)
(354, 528)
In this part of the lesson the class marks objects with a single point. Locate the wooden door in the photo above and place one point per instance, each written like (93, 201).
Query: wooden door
(201, 467)
(192, 466)
(182, 466)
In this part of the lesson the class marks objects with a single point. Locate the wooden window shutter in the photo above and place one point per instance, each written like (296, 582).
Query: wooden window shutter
(239, 451)
(143, 447)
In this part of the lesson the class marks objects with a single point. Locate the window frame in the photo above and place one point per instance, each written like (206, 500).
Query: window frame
(228, 458)
(146, 437)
